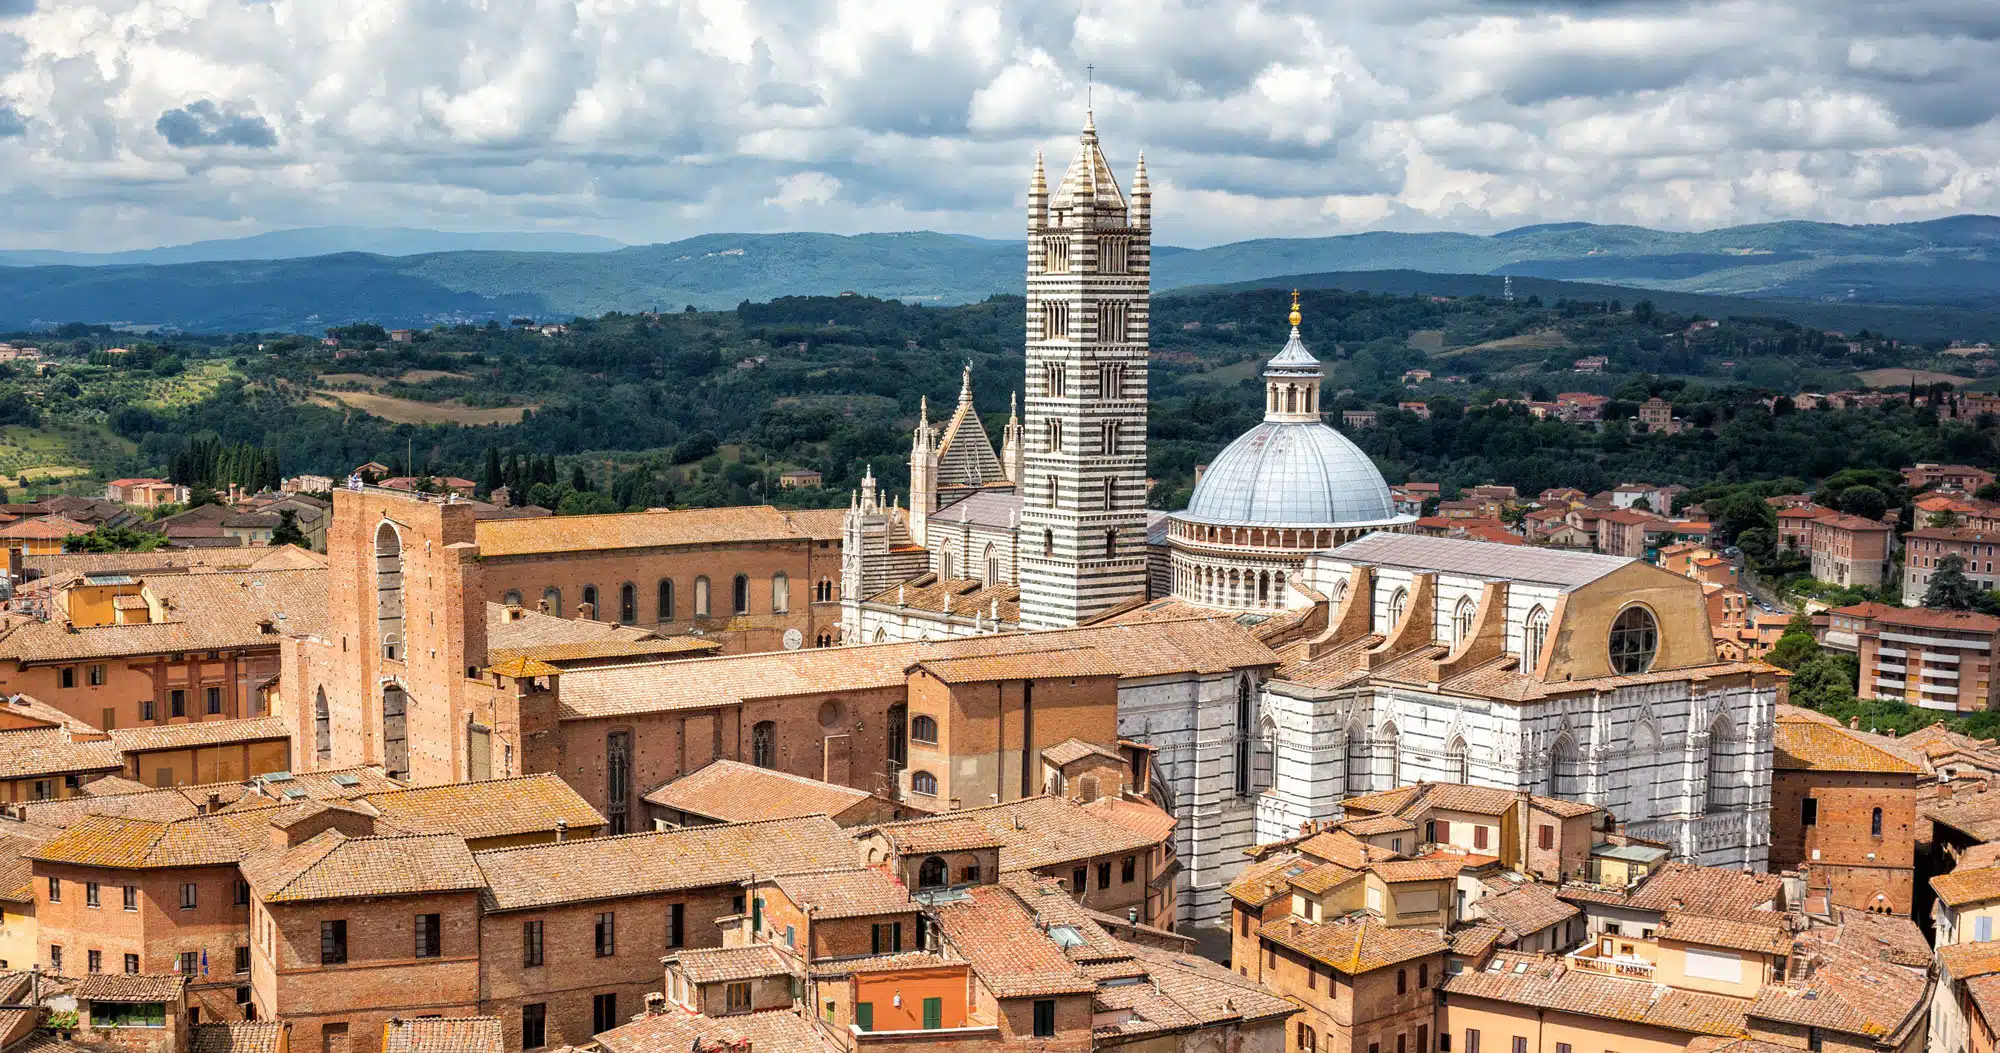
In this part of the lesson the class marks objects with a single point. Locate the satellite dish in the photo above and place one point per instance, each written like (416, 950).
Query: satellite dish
(794, 639)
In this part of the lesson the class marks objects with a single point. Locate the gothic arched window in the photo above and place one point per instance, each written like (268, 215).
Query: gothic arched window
(924, 729)
(781, 593)
(701, 596)
(764, 744)
(389, 590)
(1461, 621)
(1397, 602)
(1566, 776)
(1534, 637)
(628, 603)
(923, 782)
(739, 594)
(666, 599)
(1722, 765)
(552, 599)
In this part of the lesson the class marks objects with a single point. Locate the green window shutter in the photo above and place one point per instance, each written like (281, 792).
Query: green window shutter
(933, 1013)
(864, 1015)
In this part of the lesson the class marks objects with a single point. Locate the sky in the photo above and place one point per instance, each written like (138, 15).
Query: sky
(132, 123)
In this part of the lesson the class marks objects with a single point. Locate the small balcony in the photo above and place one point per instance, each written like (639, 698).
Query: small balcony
(1619, 956)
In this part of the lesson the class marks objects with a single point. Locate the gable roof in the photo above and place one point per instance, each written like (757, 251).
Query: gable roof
(732, 791)
(1811, 745)
(526, 804)
(597, 868)
(332, 865)
(1480, 559)
(1033, 833)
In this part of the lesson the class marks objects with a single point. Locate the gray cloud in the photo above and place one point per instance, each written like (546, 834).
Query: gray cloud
(1284, 117)
(204, 123)
(12, 124)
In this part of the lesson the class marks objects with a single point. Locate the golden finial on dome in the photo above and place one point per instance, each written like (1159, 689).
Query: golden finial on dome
(1295, 307)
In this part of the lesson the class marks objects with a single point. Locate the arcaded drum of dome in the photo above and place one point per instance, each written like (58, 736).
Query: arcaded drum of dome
(1291, 474)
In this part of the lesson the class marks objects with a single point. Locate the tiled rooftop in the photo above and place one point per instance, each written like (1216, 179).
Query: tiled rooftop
(996, 933)
(1811, 745)
(206, 612)
(465, 1034)
(1544, 982)
(1354, 947)
(332, 865)
(131, 987)
(1033, 833)
(1154, 649)
(714, 965)
(846, 893)
(1965, 887)
(200, 733)
(206, 840)
(242, 1036)
(499, 538)
(599, 868)
(732, 791)
(1848, 992)
(527, 804)
(44, 752)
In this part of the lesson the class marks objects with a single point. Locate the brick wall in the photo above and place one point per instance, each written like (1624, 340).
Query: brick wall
(1844, 837)
(381, 978)
(159, 931)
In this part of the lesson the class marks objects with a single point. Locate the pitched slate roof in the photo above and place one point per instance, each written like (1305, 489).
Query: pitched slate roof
(599, 868)
(526, 804)
(331, 865)
(733, 791)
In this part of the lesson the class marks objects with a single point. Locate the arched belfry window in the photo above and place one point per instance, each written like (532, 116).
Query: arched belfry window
(389, 591)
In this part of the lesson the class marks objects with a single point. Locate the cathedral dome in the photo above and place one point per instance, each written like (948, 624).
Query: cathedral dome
(1291, 474)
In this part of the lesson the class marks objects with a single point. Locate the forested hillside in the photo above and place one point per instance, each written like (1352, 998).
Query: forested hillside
(693, 407)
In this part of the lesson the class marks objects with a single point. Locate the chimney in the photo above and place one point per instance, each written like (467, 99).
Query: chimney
(1944, 791)
(542, 606)
(1854, 723)
(562, 830)
(586, 612)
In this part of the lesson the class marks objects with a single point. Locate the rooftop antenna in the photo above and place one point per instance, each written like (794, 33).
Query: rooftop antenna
(1089, 85)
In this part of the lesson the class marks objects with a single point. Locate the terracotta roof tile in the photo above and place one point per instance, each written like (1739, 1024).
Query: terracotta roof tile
(1354, 947)
(1966, 960)
(40, 752)
(332, 865)
(1813, 746)
(499, 538)
(241, 1036)
(997, 934)
(465, 1034)
(1849, 993)
(599, 868)
(131, 987)
(206, 612)
(1718, 891)
(1265, 880)
(1765, 932)
(1963, 887)
(966, 597)
(716, 965)
(1033, 833)
(1154, 649)
(200, 733)
(1526, 909)
(527, 804)
(1069, 751)
(1545, 982)
(16, 869)
(206, 840)
(1886, 936)
(846, 893)
(732, 791)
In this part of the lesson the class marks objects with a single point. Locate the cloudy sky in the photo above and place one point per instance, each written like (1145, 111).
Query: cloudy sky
(127, 123)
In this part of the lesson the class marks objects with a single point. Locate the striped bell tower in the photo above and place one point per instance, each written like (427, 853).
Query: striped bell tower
(1083, 514)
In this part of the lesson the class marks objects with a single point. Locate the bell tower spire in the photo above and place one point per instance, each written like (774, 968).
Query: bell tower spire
(1081, 468)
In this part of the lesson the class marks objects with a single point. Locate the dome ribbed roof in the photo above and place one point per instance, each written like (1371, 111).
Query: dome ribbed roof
(1292, 474)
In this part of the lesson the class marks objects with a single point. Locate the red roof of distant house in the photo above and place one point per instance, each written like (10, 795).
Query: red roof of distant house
(1489, 531)
(1843, 521)
(1805, 512)
(1628, 517)
(1924, 617)
(138, 482)
(47, 527)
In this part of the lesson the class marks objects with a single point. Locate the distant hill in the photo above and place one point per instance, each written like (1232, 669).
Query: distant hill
(320, 241)
(1953, 262)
